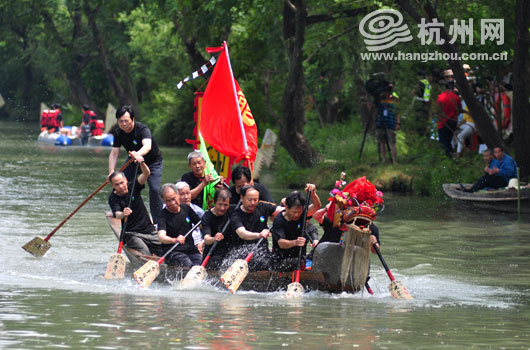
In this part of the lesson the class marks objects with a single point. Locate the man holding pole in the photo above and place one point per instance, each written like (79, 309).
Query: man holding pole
(137, 140)
(140, 234)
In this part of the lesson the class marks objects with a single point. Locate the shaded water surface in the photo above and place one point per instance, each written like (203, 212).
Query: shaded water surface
(468, 271)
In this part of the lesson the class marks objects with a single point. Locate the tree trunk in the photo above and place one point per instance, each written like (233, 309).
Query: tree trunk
(115, 84)
(482, 120)
(521, 110)
(292, 126)
(333, 102)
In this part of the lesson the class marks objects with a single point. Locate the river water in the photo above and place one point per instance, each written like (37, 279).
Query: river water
(468, 271)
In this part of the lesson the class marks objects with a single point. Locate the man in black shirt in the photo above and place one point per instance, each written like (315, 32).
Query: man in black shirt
(137, 140)
(140, 233)
(197, 179)
(241, 176)
(175, 221)
(213, 222)
(286, 230)
(249, 221)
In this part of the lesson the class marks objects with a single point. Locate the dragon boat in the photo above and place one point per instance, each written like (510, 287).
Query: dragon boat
(332, 263)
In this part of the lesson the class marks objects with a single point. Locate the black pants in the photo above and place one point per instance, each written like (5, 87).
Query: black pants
(445, 136)
(488, 180)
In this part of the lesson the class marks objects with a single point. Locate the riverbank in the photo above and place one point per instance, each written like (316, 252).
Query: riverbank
(421, 170)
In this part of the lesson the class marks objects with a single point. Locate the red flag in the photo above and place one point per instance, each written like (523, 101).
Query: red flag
(226, 122)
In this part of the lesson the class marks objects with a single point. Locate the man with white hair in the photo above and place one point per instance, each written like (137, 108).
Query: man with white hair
(196, 178)
(184, 193)
(176, 219)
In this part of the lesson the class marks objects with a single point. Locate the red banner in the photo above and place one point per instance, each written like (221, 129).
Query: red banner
(226, 122)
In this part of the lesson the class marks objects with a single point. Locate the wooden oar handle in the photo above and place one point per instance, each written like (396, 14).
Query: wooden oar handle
(383, 262)
(251, 254)
(122, 234)
(205, 262)
(83, 203)
(161, 260)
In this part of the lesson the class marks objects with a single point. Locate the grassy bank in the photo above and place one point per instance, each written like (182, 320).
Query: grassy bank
(422, 167)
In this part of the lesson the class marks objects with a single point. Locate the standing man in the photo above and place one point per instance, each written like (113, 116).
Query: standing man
(387, 122)
(140, 233)
(422, 99)
(449, 107)
(137, 140)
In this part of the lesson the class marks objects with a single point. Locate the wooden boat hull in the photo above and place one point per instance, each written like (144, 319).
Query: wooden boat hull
(503, 200)
(324, 276)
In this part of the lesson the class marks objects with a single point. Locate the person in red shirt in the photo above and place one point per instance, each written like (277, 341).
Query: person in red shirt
(449, 106)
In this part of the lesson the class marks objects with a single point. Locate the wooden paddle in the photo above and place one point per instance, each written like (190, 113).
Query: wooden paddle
(396, 288)
(38, 246)
(198, 272)
(295, 289)
(117, 262)
(146, 274)
(234, 276)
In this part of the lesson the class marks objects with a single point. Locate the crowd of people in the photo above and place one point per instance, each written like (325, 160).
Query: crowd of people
(438, 111)
(237, 223)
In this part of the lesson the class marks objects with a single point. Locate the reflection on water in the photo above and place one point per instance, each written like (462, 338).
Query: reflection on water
(468, 272)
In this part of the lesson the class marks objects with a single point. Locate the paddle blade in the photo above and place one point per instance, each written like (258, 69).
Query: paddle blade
(234, 276)
(294, 290)
(398, 290)
(37, 246)
(116, 267)
(195, 275)
(146, 274)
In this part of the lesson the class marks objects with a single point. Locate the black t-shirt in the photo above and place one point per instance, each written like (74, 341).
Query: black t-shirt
(139, 220)
(253, 222)
(211, 224)
(193, 181)
(333, 234)
(289, 230)
(133, 142)
(264, 194)
(179, 224)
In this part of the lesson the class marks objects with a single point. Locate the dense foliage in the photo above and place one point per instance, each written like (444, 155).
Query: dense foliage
(95, 52)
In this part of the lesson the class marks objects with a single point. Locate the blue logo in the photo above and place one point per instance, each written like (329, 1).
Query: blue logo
(299, 226)
(262, 218)
(135, 142)
(187, 219)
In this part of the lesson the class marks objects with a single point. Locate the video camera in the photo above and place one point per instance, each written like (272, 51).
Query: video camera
(377, 84)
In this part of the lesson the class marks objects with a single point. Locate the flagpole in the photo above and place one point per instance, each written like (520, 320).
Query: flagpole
(245, 146)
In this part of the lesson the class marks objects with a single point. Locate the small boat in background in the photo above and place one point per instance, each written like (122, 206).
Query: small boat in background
(69, 136)
(504, 200)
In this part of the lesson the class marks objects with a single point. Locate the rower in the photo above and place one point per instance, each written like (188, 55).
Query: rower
(287, 238)
(241, 176)
(183, 190)
(141, 234)
(213, 222)
(175, 220)
(249, 221)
